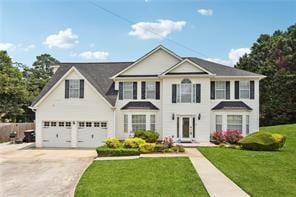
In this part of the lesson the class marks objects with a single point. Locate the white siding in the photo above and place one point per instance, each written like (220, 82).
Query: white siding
(186, 67)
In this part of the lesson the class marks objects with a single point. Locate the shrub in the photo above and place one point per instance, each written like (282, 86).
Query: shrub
(147, 147)
(263, 141)
(104, 151)
(148, 136)
(178, 148)
(168, 141)
(112, 143)
(133, 142)
(232, 136)
(160, 148)
(217, 137)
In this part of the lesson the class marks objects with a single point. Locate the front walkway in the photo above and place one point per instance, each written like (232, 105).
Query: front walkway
(216, 183)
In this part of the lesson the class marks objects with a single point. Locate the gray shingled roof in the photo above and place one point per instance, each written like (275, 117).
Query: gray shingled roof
(140, 105)
(97, 74)
(232, 105)
(219, 69)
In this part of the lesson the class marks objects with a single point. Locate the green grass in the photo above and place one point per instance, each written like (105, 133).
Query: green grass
(260, 173)
(141, 177)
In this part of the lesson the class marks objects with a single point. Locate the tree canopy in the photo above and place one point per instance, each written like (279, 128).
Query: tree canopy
(275, 56)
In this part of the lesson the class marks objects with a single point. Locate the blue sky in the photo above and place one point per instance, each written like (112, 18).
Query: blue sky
(79, 31)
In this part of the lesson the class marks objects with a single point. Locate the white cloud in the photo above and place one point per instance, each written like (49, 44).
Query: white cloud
(6, 46)
(205, 12)
(156, 30)
(29, 47)
(94, 55)
(233, 56)
(63, 39)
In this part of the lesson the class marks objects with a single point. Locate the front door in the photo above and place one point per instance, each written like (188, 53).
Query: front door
(186, 128)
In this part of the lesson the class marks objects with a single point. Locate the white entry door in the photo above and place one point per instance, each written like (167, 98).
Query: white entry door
(91, 134)
(56, 134)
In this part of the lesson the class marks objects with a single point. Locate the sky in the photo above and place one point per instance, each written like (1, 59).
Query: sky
(114, 30)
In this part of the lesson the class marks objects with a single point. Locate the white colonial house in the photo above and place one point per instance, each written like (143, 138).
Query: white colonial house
(184, 97)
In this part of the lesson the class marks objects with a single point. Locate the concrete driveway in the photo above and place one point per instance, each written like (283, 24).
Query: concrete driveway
(41, 172)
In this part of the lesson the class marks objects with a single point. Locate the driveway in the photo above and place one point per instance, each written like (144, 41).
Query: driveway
(26, 171)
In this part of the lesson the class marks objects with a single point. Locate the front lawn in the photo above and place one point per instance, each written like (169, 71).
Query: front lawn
(260, 173)
(141, 177)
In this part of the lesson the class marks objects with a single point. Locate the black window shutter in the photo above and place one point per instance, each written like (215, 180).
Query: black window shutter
(193, 124)
(135, 90)
(212, 89)
(81, 88)
(227, 90)
(66, 88)
(157, 84)
(252, 90)
(197, 93)
(236, 89)
(143, 90)
(120, 90)
(174, 93)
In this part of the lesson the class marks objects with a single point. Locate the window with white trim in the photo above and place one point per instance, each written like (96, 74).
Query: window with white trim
(125, 120)
(138, 122)
(88, 124)
(244, 89)
(127, 90)
(53, 124)
(45, 124)
(104, 125)
(218, 122)
(186, 91)
(150, 89)
(152, 122)
(96, 124)
(81, 124)
(220, 89)
(61, 124)
(68, 124)
(235, 122)
(247, 124)
(74, 88)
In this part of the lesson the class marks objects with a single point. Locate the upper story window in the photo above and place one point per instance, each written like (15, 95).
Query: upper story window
(74, 88)
(150, 90)
(127, 90)
(220, 89)
(186, 92)
(244, 89)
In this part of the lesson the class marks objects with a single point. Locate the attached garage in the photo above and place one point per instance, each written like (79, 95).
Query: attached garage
(87, 134)
(56, 134)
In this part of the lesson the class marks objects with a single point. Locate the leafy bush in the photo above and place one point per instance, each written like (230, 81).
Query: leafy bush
(263, 141)
(104, 151)
(178, 148)
(147, 147)
(217, 137)
(168, 141)
(232, 136)
(133, 142)
(160, 148)
(112, 143)
(148, 136)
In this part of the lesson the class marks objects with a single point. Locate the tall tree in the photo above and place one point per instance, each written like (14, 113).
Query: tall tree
(275, 56)
(13, 92)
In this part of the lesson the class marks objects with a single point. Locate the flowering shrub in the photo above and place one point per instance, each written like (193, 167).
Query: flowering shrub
(217, 137)
(133, 142)
(232, 136)
(168, 141)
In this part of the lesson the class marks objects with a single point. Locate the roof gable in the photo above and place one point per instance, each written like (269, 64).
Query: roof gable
(153, 63)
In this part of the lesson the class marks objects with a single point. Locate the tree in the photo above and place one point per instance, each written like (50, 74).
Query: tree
(275, 56)
(13, 92)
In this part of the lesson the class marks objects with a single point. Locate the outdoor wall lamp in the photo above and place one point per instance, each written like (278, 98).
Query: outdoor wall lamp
(173, 116)
(199, 116)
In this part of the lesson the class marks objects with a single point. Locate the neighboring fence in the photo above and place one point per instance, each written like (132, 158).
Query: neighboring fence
(19, 128)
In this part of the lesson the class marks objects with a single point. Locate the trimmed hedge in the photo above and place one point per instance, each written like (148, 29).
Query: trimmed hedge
(104, 151)
(263, 141)
(148, 136)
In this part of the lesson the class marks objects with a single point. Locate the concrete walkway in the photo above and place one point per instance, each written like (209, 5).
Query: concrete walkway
(216, 183)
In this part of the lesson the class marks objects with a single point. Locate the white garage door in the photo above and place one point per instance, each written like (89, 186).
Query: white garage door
(91, 134)
(56, 134)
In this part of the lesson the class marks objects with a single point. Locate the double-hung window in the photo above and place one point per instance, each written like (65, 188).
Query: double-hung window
(74, 88)
(244, 89)
(138, 122)
(235, 122)
(128, 90)
(247, 124)
(220, 89)
(125, 117)
(218, 122)
(152, 122)
(150, 89)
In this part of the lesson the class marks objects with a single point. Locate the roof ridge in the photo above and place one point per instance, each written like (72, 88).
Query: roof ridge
(95, 62)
